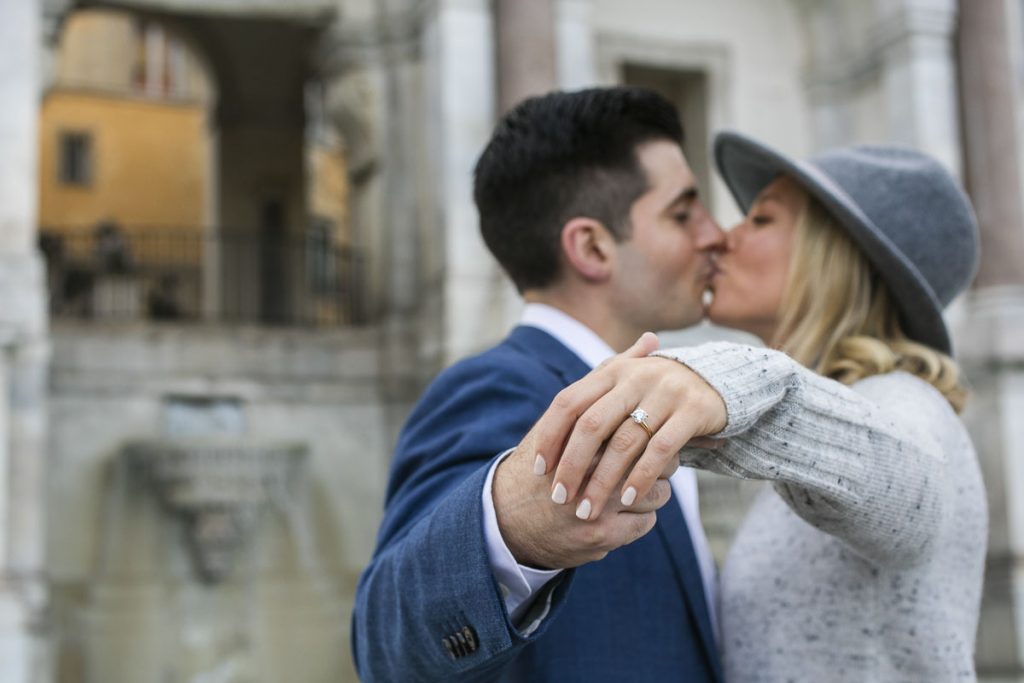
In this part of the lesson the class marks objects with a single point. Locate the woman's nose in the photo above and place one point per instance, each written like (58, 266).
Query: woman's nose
(732, 236)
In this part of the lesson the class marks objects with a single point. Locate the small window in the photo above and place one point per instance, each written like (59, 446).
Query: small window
(75, 158)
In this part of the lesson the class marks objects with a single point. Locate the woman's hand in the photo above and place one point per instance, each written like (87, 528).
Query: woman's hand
(677, 404)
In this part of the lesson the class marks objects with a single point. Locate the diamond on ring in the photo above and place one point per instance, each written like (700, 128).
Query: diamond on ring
(640, 417)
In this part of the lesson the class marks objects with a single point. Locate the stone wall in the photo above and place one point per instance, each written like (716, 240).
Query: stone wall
(139, 598)
(23, 356)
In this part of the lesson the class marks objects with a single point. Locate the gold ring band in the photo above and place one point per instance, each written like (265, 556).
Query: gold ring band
(640, 417)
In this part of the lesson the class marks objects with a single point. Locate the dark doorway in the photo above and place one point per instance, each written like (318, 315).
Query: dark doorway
(274, 284)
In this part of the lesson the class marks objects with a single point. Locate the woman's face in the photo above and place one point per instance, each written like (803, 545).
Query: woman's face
(750, 273)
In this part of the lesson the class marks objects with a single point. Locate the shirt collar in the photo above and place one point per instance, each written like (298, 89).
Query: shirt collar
(576, 336)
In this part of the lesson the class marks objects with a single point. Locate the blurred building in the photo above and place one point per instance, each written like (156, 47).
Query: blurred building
(123, 133)
(126, 166)
(261, 243)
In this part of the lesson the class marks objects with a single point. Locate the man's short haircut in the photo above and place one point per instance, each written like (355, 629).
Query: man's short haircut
(560, 156)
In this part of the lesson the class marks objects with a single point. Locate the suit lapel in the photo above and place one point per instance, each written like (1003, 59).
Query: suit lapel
(675, 536)
(549, 351)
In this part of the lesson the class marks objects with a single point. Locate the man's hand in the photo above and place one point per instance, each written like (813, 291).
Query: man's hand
(546, 536)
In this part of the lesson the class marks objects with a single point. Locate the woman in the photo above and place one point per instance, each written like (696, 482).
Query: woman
(864, 560)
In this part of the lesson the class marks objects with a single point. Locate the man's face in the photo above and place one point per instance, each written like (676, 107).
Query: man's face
(662, 268)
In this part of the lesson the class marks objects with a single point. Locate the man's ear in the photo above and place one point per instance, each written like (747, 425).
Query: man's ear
(589, 248)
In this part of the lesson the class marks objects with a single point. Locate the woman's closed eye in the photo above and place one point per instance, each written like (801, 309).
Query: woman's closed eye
(760, 220)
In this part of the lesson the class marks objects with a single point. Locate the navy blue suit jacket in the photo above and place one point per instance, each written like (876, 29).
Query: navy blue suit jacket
(428, 607)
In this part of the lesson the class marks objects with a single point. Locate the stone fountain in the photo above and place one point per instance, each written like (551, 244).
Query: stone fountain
(218, 490)
(207, 571)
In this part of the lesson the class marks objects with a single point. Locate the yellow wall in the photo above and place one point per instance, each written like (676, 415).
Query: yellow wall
(98, 48)
(328, 183)
(150, 162)
(107, 50)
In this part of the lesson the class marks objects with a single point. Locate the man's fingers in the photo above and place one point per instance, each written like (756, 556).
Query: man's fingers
(655, 499)
(631, 527)
(706, 442)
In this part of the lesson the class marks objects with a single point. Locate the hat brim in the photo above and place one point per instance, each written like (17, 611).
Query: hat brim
(747, 166)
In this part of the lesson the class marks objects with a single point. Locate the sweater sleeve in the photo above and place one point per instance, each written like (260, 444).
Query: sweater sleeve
(862, 463)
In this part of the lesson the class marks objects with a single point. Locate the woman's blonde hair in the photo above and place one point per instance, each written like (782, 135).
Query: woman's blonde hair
(838, 317)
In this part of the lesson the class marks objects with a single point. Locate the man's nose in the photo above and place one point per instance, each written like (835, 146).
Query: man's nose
(711, 236)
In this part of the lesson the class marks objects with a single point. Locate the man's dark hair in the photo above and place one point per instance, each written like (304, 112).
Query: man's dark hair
(559, 156)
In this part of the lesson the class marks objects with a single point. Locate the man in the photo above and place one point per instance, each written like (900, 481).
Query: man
(587, 202)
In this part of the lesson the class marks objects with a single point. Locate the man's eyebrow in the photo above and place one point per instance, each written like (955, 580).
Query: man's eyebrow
(688, 194)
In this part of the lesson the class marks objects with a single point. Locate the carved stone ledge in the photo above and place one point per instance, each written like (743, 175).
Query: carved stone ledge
(218, 489)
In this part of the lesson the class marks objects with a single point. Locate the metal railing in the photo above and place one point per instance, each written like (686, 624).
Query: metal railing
(111, 273)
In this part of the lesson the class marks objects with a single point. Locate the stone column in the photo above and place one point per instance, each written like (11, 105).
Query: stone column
(23, 354)
(380, 99)
(991, 336)
(989, 94)
(917, 46)
(459, 49)
(887, 77)
(528, 63)
(525, 32)
(575, 44)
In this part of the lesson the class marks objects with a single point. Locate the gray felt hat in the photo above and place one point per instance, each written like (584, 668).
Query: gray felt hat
(904, 210)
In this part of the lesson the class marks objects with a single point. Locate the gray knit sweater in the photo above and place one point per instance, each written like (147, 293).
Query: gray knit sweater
(864, 561)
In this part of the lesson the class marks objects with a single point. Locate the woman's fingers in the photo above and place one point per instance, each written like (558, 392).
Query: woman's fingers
(661, 450)
(592, 429)
(646, 344)
(677, 406)
(623, 448)
(554, 426)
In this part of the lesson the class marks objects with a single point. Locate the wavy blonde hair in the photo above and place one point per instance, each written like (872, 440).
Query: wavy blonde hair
(838, 316)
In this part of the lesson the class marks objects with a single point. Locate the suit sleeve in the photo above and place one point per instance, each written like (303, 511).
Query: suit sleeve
(428, 607)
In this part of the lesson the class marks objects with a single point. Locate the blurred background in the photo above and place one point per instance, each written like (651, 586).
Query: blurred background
(237, 238)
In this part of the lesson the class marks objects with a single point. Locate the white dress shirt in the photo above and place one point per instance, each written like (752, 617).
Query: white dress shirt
(519, 583)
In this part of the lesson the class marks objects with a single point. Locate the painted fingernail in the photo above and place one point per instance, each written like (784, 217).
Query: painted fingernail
(559, 495)
(629, 496)
(583, 509)
(539, 466)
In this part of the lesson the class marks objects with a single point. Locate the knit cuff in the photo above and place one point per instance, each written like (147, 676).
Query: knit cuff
(750, 380)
